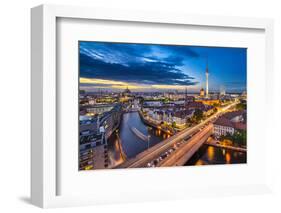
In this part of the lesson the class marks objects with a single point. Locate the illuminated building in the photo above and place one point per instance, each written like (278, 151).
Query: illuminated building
(209, 101)
(94, 133)
(202, 92)
(98, 109)
(93, 151)
(126, 92)
(229, 123)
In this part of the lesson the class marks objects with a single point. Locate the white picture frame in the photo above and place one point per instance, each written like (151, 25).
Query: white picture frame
(44, 169)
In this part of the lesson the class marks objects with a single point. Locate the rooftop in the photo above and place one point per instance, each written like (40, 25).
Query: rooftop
(225, 120)
(233, 114)
(183, 113)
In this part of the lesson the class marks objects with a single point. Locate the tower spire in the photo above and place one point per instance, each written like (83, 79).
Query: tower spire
(207, 78)
(207, 65)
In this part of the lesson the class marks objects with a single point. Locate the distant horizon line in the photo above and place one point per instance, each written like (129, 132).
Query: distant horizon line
(182, 92)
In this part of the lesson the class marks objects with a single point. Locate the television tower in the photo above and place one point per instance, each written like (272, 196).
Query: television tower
(207, 80)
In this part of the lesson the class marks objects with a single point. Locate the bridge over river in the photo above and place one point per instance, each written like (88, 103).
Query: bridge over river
(180, 156)
(196, 135)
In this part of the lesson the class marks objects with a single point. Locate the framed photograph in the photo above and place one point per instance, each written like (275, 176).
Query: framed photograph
(129, 106)
(150, 105)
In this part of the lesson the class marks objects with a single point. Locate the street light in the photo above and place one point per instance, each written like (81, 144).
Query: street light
(148, 141)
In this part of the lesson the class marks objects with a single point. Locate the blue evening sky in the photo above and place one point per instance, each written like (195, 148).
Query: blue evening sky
(145, 67)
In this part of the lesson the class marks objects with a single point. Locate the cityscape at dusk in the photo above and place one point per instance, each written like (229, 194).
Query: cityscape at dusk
(152, 105)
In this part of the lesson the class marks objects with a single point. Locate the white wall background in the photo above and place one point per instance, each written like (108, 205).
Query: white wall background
(15, 98)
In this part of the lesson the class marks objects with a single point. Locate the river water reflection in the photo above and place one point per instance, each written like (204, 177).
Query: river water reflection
(212, 155)
(125, 144)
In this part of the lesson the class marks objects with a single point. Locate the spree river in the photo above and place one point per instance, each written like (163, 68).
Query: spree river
(213, 155)
(125, 144)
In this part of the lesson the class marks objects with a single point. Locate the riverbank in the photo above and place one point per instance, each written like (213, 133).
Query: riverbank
(212, 155)
(154, 125)
(215, 144)
(122, 153)
(115, 144)
(130, 144)
(116, 152)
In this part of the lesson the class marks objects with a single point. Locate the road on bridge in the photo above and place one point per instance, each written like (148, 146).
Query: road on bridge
(142, 159)
(180, 156)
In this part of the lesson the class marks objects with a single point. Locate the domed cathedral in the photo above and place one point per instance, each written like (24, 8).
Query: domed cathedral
(126, 92)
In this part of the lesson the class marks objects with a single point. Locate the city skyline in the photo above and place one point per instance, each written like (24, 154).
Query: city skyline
(152, 105)
(153, 67)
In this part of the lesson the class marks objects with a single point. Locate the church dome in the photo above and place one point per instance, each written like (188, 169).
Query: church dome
(127, 90)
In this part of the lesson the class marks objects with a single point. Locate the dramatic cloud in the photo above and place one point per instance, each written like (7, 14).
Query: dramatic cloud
(143, 64)
(146, 66)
